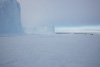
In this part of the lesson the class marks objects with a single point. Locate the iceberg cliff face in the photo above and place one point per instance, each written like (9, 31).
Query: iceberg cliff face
(10, 19)
(45, 29)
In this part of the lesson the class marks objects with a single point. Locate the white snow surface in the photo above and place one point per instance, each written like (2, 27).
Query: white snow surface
(67, 50)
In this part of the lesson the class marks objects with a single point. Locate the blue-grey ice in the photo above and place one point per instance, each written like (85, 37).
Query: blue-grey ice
(10, 17)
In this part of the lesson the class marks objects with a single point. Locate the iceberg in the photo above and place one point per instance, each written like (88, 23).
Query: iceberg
(45, 29)
(10, 18)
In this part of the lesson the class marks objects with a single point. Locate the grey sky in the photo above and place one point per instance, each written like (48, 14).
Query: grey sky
(60, 12)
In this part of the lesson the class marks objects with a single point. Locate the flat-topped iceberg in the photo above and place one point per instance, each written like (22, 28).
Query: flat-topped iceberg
(46, 29)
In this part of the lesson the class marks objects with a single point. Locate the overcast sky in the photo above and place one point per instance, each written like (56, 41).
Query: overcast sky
(60, 12)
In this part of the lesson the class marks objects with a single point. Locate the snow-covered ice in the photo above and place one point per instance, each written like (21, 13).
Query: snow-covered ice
(64, 50)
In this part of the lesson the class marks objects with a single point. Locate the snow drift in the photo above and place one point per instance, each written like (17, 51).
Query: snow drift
(10, 18)
(50, 51)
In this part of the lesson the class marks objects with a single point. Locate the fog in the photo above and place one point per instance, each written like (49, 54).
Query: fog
(29, 38)
(60, 13)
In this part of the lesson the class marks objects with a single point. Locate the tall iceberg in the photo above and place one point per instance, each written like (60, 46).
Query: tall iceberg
(10, 18)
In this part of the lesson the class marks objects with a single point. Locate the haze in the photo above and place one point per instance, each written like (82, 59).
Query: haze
(60, 12)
